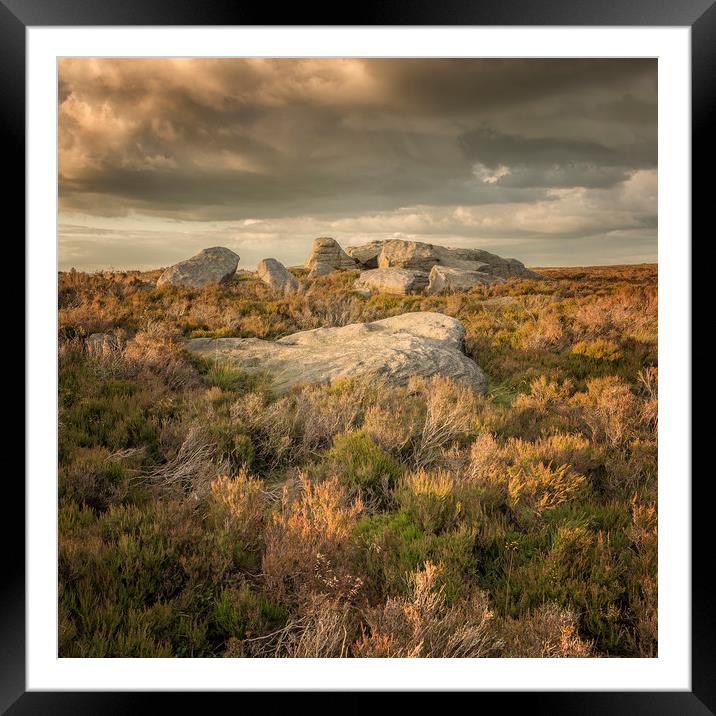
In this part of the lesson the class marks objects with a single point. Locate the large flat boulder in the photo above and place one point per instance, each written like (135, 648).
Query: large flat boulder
(274, 274)
(208, 266)
(412, 344)
(444, 279)
(392, 280)
(327, 256)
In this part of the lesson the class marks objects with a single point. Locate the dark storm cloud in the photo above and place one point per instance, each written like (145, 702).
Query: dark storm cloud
(501, 85)
(271, 138)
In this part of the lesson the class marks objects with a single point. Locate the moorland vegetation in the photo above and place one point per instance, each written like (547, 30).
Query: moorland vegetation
(201, 513)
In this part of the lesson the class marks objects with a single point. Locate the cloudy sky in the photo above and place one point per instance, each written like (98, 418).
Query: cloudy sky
(553, 162)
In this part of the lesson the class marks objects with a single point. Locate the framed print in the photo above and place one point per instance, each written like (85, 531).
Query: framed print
(343, 355)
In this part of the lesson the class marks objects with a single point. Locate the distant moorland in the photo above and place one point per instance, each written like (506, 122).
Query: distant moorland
(204, 513)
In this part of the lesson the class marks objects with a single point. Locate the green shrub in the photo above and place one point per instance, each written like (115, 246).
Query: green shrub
(598, 349)
(430, 499)
(231, 380)
(232, 443)
(242, 613)
(392, 546)
(362, 465)
(94, 478)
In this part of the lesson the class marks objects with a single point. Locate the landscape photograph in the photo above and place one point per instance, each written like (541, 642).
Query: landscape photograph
(357, 358)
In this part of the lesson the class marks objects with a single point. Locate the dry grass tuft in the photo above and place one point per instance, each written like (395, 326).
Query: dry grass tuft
(609, 408)
(239, 505)
(308, 541)
(448, 415)
(192, 468)
(547, 632)
(539, 487)
(422, 625)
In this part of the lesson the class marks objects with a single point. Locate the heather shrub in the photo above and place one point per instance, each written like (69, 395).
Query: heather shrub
(391, 546)
(295, 428)
(631, 468)
(361, 465)
(649, 411)
(538, 487)
(231, 444)
(546, 409)
(643, 593)
(555, 450)
(429, 500)
(274, 427)
(239, 504)
(546, 632)
(608, 410)
(241, 613)
(395, 423)
(126, 592)
(191, 460)
(94, 478)
(422, 624)
(449, 410)
(581, 568)
(544, 396)
(332, 409)
(598, 349)
(324, 628)
(628, 311)
(308, 541)
(540, 333)
(107, 412)
(485, 456)
(158, 350)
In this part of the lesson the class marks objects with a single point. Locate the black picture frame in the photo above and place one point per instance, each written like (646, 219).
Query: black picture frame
(699, 15)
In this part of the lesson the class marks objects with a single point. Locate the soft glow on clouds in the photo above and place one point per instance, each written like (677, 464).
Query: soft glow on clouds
(551, 161)
(488, 176)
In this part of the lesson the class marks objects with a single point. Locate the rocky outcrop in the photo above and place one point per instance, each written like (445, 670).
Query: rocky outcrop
(443, 279)
(468, 267)
(208, 266)
(366, 254)
(274, 274)
(391, 280)
(327, 256)
(420, 256)
(422, 344)
(439, 269)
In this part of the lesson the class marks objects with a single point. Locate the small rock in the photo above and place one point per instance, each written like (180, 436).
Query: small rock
(392, 280)
(274, 274)
(208, 266)
(327, 256)
(444, 278)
